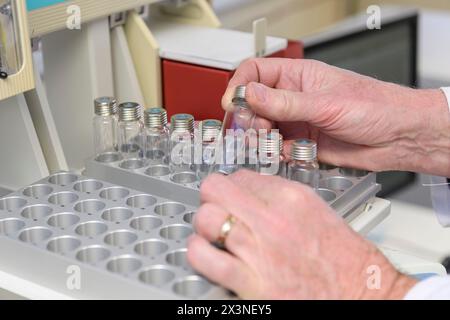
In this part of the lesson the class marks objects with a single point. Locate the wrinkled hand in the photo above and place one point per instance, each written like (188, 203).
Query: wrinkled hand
(357, 121)
(287, 244)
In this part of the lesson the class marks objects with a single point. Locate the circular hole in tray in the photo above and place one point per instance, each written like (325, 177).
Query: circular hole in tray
(36, 212)
(91, 228)
(120, 238)
(124, 265)
(89, 206)
(63, 178)
(326, 194)
(178, 258)
(114, 193)
(11, 226)
(192, 287)
(109, 157)
(189, 217)
(12, 203)
(35, 235)
(336, 183)
(63, 220)
(176, 232)
(63, 245)
(184, 177)
(132, 164)
(151, 248)
(155, 155)
(88, 186)
(117, 214)
(156, 276)
(63, 198)
(357, 173)
(93, 254)
(145, 223)
(37, 191)
(158, 171)
(169, 209)
(141, 201)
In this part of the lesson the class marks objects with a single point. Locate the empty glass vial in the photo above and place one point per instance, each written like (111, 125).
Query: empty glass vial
(181, 143)
(211, 130)
(131, 131)
(105, 125)
(304, 166)
(157, 134)
(270, 150)
(240, 139)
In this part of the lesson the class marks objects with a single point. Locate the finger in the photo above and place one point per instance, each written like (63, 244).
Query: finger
(208, 222)
(273, 72)
(218, 266)
(221, 191)
(284, 105)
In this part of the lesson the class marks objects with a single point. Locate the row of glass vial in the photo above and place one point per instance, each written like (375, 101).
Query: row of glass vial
(130, 130)
(136, 133)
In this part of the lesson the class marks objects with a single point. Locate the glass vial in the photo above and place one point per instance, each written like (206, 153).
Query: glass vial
(211, 130)
(105, 124)
(271, 159)
(181, 143)
(241, 141)
(304, 166)
(157, 135)
(130, 131)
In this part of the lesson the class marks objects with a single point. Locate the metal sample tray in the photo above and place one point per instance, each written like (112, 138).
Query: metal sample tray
(91, 239)
(346, 190)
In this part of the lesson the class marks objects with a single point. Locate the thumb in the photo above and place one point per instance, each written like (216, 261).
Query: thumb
(282, 105)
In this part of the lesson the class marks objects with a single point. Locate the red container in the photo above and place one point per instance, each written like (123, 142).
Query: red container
(198, 90)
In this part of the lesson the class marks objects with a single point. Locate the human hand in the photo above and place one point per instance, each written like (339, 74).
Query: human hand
(357, 121)
(287, 244)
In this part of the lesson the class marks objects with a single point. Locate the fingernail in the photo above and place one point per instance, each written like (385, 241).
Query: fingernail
(259, 91)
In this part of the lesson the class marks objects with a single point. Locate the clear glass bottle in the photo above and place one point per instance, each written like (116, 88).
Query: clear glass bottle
(131, 131)
(157, 135)
(270, 150)
(211, 130)
(105, 125)
(181, 143)
(304, 166)
(241, 141)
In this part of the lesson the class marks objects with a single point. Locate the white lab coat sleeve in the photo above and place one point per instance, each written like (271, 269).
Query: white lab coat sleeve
(440, 190)
(434, 288)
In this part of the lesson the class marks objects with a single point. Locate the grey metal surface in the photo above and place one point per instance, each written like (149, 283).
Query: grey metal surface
(151, 178)
(125, 244)
(344, 189)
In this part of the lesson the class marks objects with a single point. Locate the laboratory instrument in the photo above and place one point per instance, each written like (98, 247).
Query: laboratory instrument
(156, 136)
(105, 124)
(131, 131)
(182, 142)
(270, 152)
(304, 166)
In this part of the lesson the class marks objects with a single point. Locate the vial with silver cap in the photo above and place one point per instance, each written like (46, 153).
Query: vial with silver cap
(105, 125)
(270, 150)
(181, 143)
(240, 135)
(304, 166)
(131, 131)
(210, 130)
(157, 135)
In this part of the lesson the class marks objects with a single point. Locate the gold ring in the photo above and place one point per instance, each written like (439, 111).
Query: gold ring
(226, 229)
